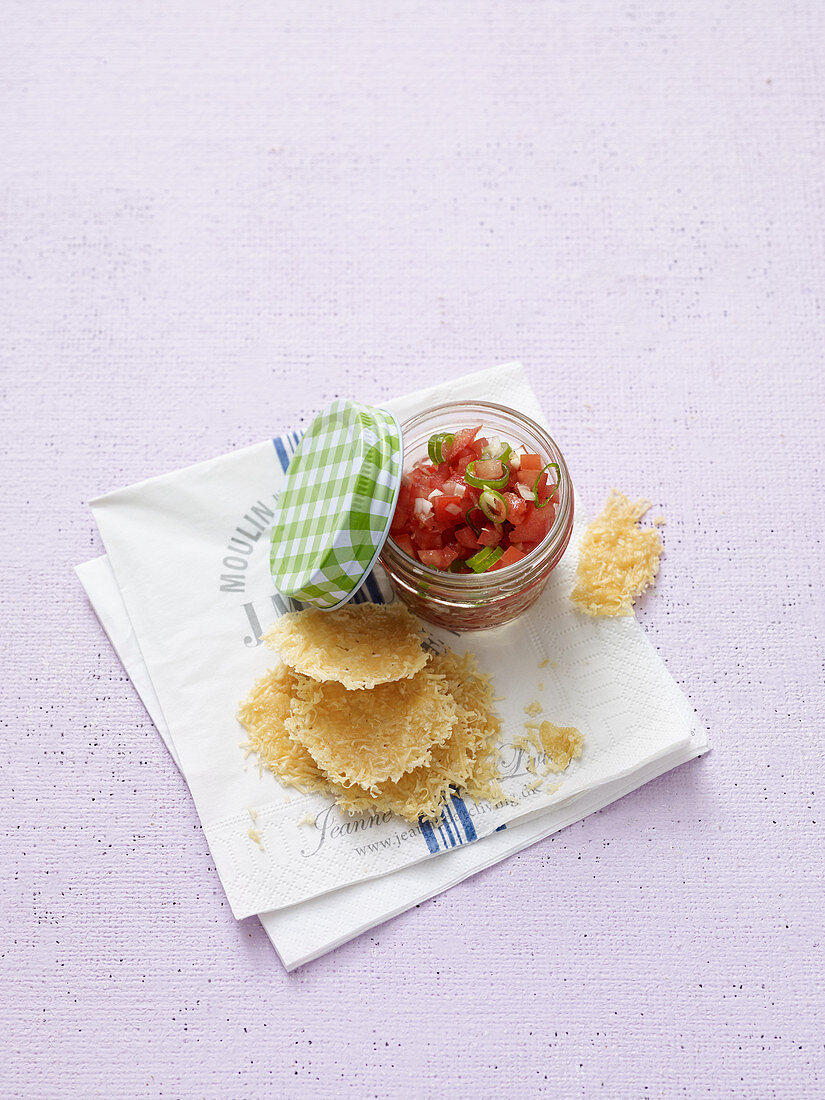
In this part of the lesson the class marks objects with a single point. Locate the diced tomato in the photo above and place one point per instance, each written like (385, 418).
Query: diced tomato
(461, 464)
(401, 517)
(405, 542)
(490, 535)
(510, 556)
(531, 462)
(535, 525)
(516, 508)
(462, 441)
(438, 559)
(527, 477)
(448, 511)
(488, 469)
(465, 537)
(427, 540)
(454, 489)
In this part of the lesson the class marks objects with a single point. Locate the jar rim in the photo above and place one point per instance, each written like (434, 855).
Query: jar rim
(557, 535)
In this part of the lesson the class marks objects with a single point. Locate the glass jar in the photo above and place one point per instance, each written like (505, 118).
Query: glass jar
(456, 600)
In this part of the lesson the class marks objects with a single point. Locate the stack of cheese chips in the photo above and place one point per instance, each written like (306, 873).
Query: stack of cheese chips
(359, 710)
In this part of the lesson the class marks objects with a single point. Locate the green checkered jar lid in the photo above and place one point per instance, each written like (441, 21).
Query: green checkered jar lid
(336, 504)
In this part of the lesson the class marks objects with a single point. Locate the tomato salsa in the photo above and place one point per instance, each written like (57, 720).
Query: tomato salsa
(476, 505)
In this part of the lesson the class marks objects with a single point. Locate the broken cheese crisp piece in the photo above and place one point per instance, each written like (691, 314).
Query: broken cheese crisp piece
(263, 714)
(460, 762)
(368, 737)
(618, 559)
(359, 646)
(558, 745)
(561, 744)
(533, 708)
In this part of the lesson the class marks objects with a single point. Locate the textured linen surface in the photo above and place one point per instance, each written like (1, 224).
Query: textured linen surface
(216, 219)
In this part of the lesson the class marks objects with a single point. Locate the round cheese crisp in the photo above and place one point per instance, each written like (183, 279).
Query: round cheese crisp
(462, 761)
(358, 647)
(368, 737)
(263, 714)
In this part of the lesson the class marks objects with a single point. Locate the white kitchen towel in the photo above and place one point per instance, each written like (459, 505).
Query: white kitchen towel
(189, 556)
(306, 931)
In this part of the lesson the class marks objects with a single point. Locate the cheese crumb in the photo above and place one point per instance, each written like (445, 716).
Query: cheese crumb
(544, 663)
(558, 745)
(561, 744)
(253, 814)
(307, 819)
(253, 834)
(660, 521)
(533, 708)
(618, 559)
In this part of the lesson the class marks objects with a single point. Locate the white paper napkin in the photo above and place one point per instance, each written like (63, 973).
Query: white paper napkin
(304, 932)
(607, 680)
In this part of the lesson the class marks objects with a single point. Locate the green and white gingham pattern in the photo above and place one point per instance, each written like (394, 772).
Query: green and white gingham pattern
(335, 508)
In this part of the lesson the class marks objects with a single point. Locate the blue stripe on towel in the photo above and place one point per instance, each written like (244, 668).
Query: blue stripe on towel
(281, 452)
(429, 835)
(464, 817)
(373, 588)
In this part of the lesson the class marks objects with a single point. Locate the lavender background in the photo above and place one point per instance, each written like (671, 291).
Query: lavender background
(217, 217)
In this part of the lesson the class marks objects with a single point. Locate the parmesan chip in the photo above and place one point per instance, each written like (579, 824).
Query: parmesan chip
(618, 559)
(459, 762)
(359, 646)
(263, 714)
(368, 737)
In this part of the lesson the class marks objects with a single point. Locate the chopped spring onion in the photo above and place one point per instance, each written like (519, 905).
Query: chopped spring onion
(493, 505)
(438, 445)
(497, 449)
(481, 562)
(524, 492)
(515, 461)
(549, 466)
(472, 478)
